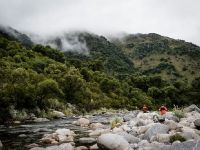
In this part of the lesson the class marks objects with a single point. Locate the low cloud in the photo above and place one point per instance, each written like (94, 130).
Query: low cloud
(174, 18)
(64, 42)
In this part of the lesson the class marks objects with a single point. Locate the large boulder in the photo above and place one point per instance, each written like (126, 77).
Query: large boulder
(58, 114)
(171, 116)
(197, 123)
(188, 145)
(188, 135)
(156, 129)
(112, 142)
(143, 129)
(129, 138)
(60, 135)
(192, 108)
(171, 124)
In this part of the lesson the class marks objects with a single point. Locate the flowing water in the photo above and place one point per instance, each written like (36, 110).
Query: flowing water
(15, 137)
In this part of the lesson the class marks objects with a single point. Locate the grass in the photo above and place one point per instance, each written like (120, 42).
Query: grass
(179, 112)
(115, 121)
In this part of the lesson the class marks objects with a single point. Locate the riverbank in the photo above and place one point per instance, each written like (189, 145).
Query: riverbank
(122, 131)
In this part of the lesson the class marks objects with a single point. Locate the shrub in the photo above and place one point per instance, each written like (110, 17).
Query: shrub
(115, 121)
(177, 137)
(179, 112)
(18, 115)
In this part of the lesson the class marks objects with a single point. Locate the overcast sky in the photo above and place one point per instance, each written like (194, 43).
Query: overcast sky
(174, 18)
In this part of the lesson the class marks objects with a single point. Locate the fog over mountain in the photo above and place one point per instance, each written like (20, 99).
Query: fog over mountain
(174, 18)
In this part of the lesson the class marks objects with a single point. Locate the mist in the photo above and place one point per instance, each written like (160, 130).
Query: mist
(178, 19)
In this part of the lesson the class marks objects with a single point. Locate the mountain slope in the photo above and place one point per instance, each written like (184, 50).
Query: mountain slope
(13, 34)
(38, 79)
(156, 54)
(93, 48)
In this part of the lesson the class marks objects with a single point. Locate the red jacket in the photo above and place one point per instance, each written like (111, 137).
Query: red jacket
(163, 110)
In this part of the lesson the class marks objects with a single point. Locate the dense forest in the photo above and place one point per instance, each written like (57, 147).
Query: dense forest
(119, 73)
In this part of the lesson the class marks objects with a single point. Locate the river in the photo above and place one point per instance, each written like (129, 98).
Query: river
(17, 136)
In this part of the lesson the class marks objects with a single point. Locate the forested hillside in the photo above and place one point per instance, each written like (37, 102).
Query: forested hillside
(154, 54)
(38, 79)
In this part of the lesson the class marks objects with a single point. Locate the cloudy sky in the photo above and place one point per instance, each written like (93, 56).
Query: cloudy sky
(174, 18)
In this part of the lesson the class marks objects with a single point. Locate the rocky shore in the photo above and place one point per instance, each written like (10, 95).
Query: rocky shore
(131, 131)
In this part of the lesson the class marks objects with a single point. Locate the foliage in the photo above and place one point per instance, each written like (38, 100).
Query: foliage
(179, 112)
(115, 121)
(40, 79)
(177, 137)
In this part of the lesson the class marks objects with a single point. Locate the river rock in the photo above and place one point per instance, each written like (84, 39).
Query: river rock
(38, 148)
(94, 147)
(32, 145)
(112, 142)
(197, 123)
(187, 145)
(133, 132)
(125, 128)
(98, 132)
(153, 146)
(42, 130)
(171, 124)
(40, 120)
(130, 116)
(163, 138)
(188, 135)
(116, 130)
(156, 129)
(192, 108)
(143, 129)
(170, 116)
(63, 138)
(143, 143)
(81, 148)
(87, 140)
(83, 122)
(22, 135)
(65, 132)
(65, 146)
(47, 140)
(17, 122)
(192, 116)
(144, 116)
(130, 138)
(133, 122)
(58, 114)
(97, 125)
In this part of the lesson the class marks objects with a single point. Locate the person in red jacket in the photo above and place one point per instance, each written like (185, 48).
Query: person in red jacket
(163, 110)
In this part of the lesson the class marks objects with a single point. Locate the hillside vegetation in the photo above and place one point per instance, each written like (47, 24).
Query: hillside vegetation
(38, 79)
(155, 54)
